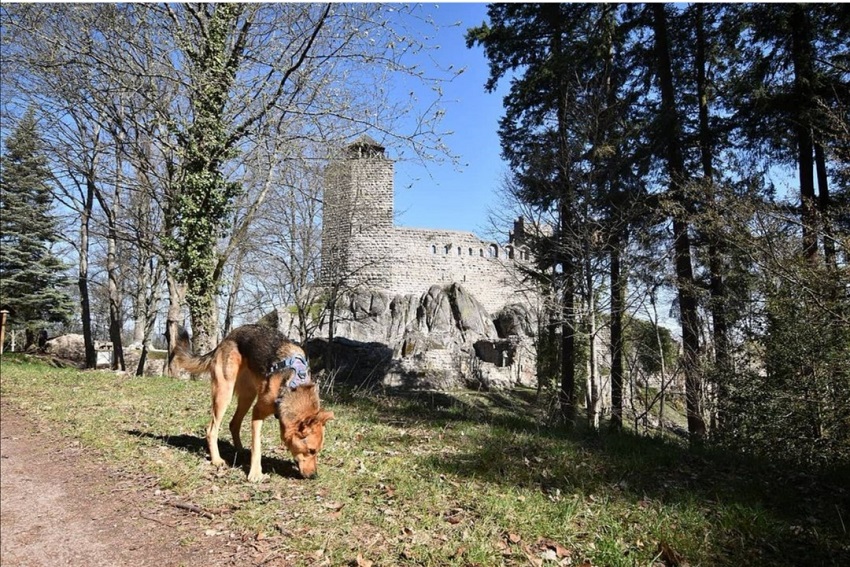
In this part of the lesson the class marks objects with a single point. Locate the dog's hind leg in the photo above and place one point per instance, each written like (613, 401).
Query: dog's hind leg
(223, 380)
(246, 392)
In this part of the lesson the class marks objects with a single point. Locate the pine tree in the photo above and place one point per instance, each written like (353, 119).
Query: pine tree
(32, 280)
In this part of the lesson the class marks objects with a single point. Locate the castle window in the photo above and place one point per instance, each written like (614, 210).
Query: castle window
(470, 251)
(458, 251)
(481, 252)
(510, 251)
(434, 249)
(448, 249)
(493, 251)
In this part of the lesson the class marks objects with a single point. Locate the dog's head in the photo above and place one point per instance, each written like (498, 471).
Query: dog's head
(302, 426)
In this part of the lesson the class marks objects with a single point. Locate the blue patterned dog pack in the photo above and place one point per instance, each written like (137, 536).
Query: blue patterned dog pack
(299, 365)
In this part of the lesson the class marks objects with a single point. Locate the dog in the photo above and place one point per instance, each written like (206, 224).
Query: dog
(259, 363)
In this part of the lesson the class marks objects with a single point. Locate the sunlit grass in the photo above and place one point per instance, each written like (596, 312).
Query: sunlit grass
(438, 479)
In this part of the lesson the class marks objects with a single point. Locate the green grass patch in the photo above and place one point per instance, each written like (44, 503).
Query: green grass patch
(439, 479)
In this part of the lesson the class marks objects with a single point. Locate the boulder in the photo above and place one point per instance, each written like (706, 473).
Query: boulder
(442, 339)
(69, 347)
(514, 319)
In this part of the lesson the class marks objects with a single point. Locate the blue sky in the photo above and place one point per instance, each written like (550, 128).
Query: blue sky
(443, 195)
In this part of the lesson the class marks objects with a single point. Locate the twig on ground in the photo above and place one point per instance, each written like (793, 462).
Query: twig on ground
(196, 509)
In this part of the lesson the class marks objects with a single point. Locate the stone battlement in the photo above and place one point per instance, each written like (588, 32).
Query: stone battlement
(361, 247)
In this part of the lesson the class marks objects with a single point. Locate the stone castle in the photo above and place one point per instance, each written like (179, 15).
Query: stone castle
(361, 247)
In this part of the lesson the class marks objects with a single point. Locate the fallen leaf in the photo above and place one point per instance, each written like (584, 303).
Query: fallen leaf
(335, 506)
(514, 538)
(453, 516)
(363, 562)
(560, 550)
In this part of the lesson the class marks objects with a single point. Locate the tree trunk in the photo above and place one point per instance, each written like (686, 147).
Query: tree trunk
(722, 354)
(113, 288)
(235, 284)
(618, 286)
(801, 54)
(202, 311)
(152, 297)
(593, 396)
(671, 138)
(83, 279)
(115, 325)
(566, 256)
(567, 394)
(173, 321)
(824, 204)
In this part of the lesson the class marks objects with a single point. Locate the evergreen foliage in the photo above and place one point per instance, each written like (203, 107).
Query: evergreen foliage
(654, 129)
(32, 279)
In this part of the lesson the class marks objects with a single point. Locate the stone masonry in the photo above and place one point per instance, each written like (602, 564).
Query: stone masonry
(362, 248)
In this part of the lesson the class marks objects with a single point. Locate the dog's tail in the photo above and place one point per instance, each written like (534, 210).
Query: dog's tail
(186, 359)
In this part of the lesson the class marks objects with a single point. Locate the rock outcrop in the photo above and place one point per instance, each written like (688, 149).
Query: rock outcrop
(442, 339)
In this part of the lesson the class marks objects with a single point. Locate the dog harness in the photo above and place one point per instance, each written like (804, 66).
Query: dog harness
(301, 376)
(298, 364)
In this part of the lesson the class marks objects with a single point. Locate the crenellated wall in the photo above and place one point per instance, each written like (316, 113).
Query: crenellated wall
(361, 245)
(425, 257)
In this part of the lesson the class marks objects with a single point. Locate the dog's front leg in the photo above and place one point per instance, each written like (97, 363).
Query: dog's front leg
(256, 472)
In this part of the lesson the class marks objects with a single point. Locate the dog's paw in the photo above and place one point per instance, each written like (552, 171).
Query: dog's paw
(256, 476)
(218, 462)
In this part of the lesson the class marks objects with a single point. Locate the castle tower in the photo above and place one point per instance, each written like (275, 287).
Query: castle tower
(357, 221)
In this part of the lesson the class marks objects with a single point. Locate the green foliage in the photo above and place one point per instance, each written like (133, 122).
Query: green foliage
(32, 278)
(205, 197)
(642, 338)
(793, 401)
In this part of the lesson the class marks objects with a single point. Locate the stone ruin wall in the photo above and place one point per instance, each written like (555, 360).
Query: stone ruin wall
(360, 241)
(423, 257)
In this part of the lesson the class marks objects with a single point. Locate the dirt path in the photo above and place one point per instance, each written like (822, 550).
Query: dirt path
(60, 506)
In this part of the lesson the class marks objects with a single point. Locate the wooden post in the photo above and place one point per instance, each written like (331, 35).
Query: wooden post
(3, 314)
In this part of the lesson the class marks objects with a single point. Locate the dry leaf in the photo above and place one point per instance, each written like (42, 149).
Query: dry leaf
(560, 550)
(362, 562)
(514, 538)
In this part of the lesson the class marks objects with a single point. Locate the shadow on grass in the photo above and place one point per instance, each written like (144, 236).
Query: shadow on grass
(764, 512)
(198, 446)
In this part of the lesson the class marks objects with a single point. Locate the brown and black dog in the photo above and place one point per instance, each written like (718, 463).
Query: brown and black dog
(260, 363)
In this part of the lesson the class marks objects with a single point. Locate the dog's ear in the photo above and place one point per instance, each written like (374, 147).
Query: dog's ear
(325, 416)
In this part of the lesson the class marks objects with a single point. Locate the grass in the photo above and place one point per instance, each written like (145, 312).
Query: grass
(462, 479)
